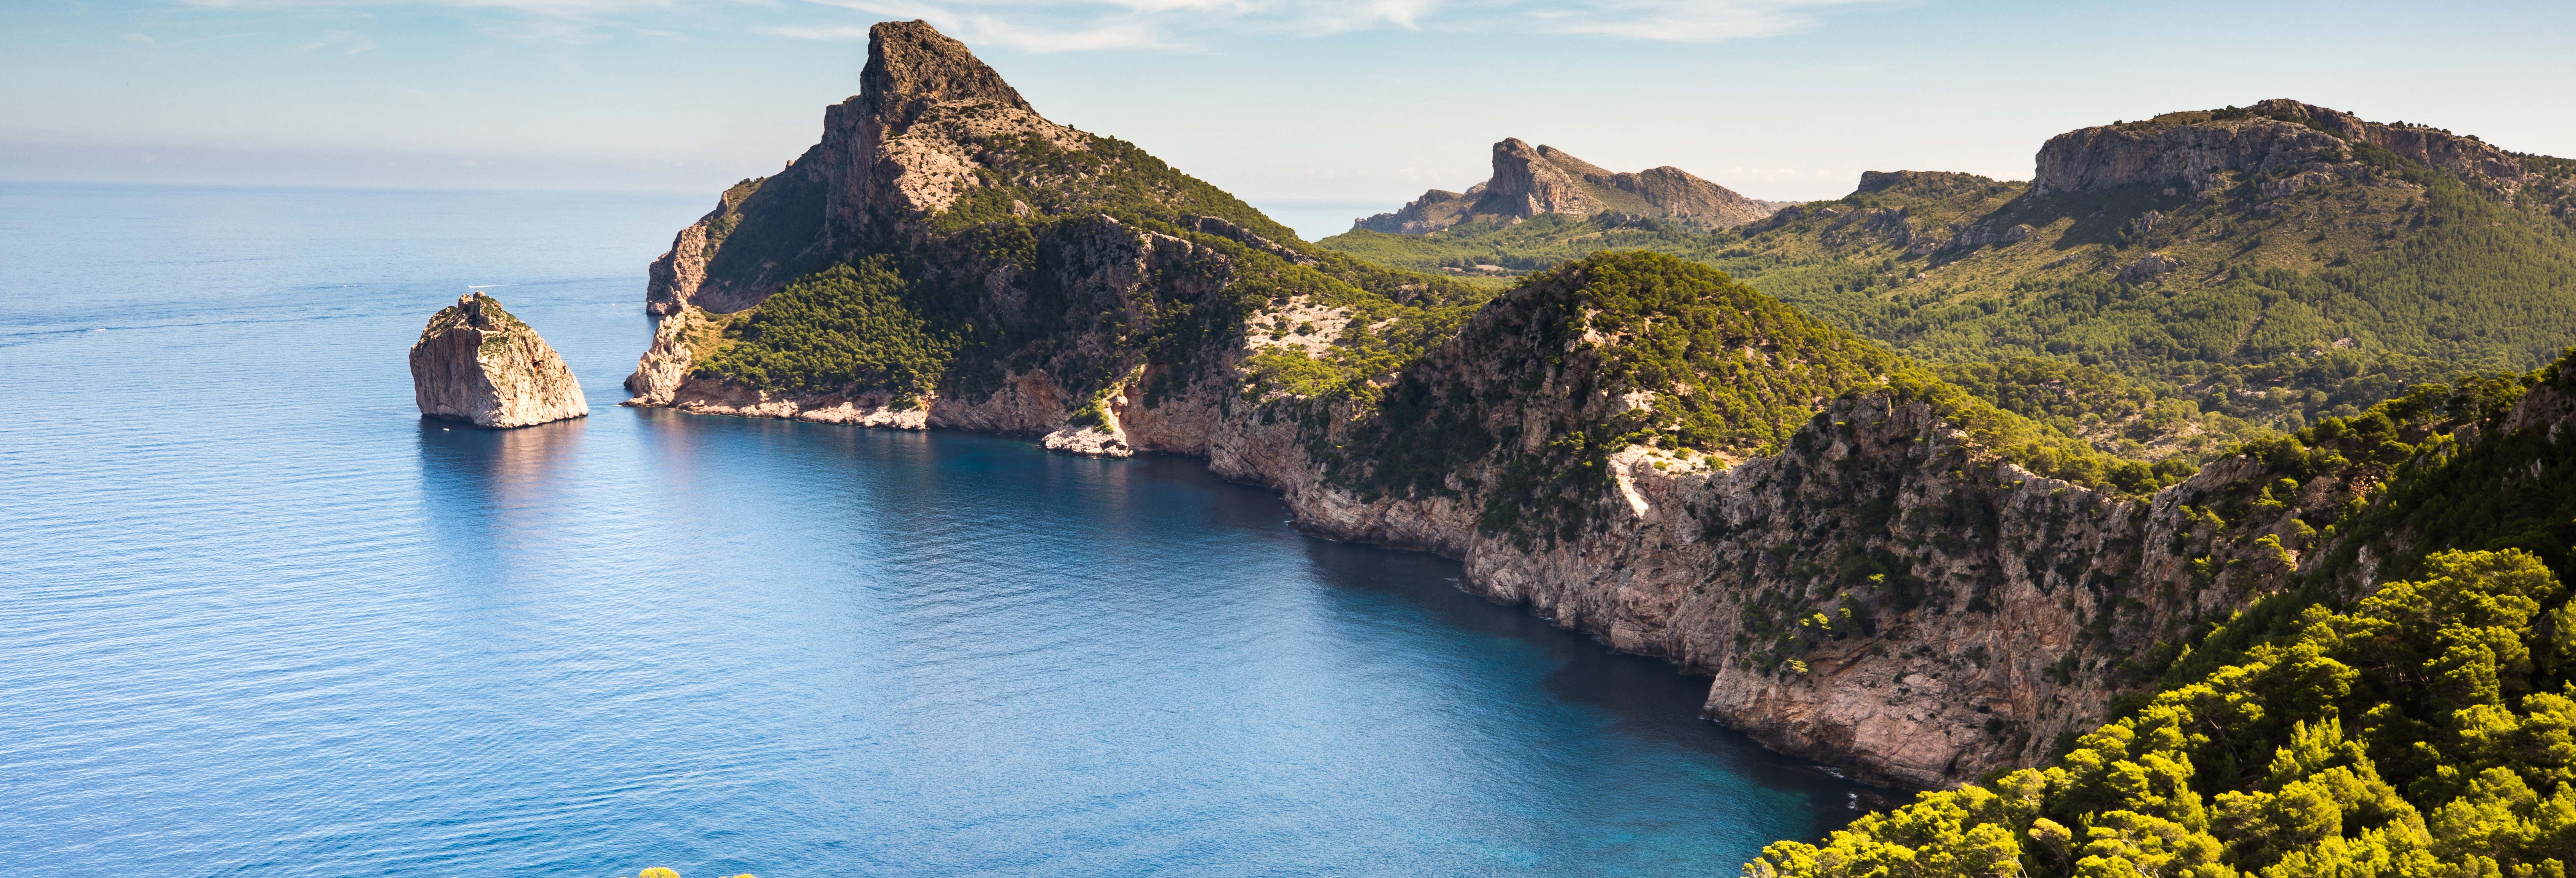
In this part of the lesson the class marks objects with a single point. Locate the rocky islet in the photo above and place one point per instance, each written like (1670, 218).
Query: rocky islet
(476, 363)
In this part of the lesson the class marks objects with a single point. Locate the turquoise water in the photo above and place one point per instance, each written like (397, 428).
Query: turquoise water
(261, 619)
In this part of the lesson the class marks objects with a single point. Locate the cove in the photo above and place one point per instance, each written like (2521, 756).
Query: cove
(265, 620)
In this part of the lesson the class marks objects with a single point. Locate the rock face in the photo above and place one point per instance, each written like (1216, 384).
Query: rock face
(1884, 594)
(2274, 138)
(1530, 182)
(894, 151)
(476, 363)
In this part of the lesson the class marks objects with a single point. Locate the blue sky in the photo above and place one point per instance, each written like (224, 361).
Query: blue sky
(1344, 100)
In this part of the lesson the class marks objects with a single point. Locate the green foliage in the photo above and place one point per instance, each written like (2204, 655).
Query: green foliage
(2429, 731)
(2031, 444)
(1728, 368)
(2426, 728)
(2127, 416)
(1535, 244)
(1024, 175)
(1697, 364)
(2487, 488)
(846, 329)
(2309, 299)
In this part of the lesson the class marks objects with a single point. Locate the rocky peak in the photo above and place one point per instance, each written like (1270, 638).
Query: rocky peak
(2463, 155)
(906, 147)
(912, 66)
(2194, 151)
(1528, 182)
(1531, 181)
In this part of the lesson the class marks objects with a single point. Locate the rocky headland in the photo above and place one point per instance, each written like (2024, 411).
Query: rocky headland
(476, 363)
(1877, 570)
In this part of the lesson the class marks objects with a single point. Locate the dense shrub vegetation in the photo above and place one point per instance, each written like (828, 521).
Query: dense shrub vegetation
(2425, 728)
(2429, 731)
(1699, 365)
(2288, 307)
(844, 329)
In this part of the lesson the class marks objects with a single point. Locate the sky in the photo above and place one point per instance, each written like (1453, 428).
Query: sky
(1331, 102)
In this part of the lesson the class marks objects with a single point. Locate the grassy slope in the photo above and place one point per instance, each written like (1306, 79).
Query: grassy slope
(1731, 373)
(2288, 309)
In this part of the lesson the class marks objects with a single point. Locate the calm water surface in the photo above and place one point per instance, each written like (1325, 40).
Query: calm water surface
(260, 619)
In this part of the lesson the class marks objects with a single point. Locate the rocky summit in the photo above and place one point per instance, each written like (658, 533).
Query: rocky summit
(476, 363)
(1530, 182)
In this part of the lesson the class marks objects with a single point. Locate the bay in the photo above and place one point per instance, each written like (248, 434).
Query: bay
(259, 618)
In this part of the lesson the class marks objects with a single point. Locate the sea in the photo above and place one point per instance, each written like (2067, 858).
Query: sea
(258, 617)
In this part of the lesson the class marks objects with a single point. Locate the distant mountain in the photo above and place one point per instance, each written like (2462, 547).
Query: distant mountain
(2280, 263)
(1546, 181)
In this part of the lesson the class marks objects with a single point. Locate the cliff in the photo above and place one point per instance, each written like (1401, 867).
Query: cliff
(476, 363)
(2345, 727)
(1529, 182)
(2277, 138)
(1878, 569)
(1838, 542)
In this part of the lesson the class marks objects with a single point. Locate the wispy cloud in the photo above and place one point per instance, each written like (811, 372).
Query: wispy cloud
(1687, 20)
(983, 27)
(1094, 25)
(1079, 25)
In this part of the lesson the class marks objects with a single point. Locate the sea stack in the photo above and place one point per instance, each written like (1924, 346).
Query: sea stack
(478, 364)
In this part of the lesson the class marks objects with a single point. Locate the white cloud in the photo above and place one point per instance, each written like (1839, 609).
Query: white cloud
(969, 20)
(1092, 25)
(1685, 20)
(1075, 25)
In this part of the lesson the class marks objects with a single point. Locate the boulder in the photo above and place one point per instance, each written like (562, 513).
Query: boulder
(2150, 267)
(476, 363)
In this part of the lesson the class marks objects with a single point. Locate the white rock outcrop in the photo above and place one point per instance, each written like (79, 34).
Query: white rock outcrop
(476, 363)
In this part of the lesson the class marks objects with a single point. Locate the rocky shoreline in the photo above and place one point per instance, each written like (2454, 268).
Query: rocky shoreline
(2018, 649)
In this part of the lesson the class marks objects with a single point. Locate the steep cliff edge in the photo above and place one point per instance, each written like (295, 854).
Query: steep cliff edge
(1529, 182)
(476, 363)
(1879, 570)
(2405, 709)
(1873, 584)
(2278, 138)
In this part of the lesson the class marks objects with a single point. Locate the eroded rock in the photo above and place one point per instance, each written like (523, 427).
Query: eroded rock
(476, 363)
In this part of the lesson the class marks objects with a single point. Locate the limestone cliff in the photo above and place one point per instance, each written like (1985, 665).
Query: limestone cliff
(1884, 592)
(476, 363)
(1529, 182)
(2276, 138)
(1877, 571)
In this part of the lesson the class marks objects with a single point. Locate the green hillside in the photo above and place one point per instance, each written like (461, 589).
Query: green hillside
(1708, 370)
(2272, 298)
(2427, 728)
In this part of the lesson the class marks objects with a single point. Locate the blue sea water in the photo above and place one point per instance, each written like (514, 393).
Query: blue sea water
(259, 618)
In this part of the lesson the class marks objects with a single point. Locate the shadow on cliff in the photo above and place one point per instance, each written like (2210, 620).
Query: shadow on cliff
(1639, 696)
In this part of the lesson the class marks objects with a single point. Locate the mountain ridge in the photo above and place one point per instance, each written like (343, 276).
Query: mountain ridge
(2271, 265)
(1529, 182)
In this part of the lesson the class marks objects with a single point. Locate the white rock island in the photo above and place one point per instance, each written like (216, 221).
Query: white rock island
(476, 363)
